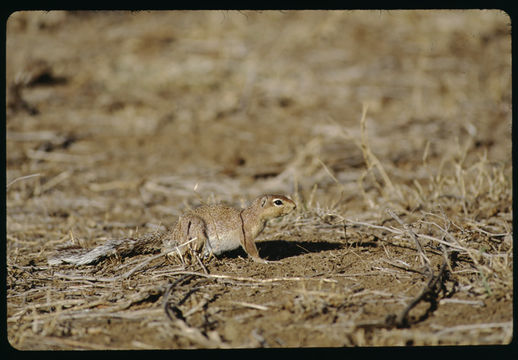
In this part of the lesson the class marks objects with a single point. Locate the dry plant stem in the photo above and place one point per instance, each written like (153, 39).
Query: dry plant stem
(139, 266)
(147, 261)
(253, 280)
(429, 293)
(173, 308)
(72, 344)
(63, 157)
(469, 327)
(182, 272)
(455, 246)
(178, 319)
(52, 182)
(424, 258)
(370, 159)
(21, 178)
(200, 262)
(197, 337)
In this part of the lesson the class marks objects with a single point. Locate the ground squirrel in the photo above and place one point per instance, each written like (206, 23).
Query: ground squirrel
(208, 229)
(219, 228)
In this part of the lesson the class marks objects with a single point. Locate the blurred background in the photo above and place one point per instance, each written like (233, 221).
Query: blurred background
(115, 101)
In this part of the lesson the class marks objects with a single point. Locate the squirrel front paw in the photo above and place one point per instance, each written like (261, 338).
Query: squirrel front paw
(264, 261)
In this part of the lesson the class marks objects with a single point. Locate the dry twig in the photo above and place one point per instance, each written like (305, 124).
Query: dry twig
(424, 259)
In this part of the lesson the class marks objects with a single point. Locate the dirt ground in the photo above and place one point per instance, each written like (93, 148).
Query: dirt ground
(390, 129)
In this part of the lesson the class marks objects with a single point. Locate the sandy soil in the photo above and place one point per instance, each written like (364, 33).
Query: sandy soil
(391, 130)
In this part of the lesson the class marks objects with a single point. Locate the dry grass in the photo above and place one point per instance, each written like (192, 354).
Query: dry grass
(396, 146)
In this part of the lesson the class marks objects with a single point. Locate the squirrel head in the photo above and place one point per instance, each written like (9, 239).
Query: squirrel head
(272, 206)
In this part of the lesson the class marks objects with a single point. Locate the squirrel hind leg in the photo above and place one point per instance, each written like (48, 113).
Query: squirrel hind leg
(190, 235)
(196, 234)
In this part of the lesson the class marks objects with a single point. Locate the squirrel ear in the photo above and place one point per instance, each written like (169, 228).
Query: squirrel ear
(264, 198)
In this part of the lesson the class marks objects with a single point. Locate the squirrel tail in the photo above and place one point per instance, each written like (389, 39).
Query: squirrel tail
(150, 243)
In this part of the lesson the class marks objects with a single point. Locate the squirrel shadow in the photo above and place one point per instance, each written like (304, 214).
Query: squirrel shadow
(280, 249)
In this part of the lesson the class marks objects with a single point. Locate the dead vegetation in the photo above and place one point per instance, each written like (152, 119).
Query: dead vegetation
(395, 145)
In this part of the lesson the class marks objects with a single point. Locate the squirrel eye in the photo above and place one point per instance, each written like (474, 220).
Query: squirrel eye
(278, 202)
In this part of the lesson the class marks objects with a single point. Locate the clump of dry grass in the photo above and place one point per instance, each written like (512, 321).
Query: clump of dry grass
(461, 212)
